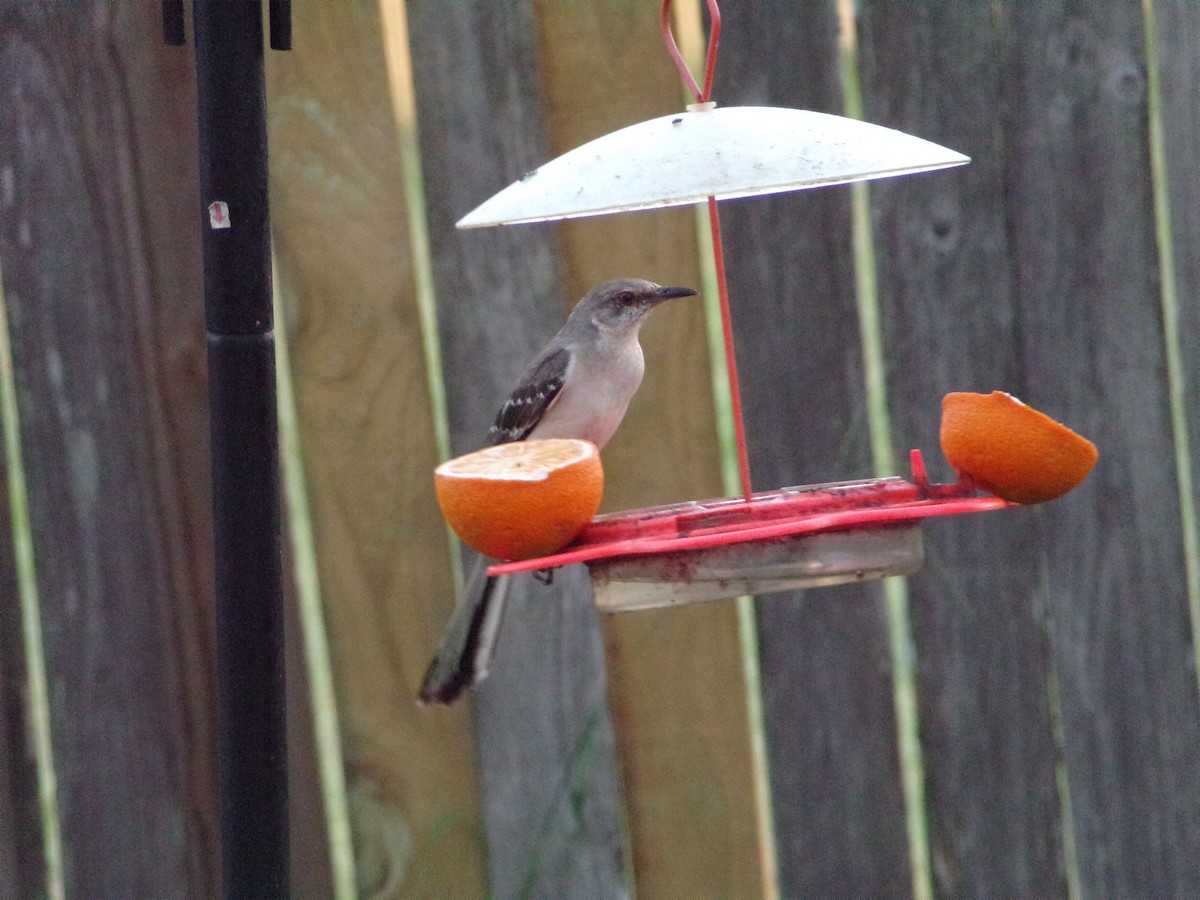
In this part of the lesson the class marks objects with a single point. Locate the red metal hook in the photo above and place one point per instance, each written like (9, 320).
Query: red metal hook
(710, 63)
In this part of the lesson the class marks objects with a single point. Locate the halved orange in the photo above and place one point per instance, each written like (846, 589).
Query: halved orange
(1011, 449)
(523, 499)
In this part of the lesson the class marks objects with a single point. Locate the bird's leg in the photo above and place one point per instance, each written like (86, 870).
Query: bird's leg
(544, 576)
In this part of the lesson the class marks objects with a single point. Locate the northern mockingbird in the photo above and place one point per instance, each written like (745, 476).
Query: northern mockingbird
(579, 386)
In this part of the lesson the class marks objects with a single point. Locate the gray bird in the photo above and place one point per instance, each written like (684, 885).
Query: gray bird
(579, 386)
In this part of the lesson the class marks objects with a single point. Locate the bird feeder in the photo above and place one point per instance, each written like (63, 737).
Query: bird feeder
(756, 543)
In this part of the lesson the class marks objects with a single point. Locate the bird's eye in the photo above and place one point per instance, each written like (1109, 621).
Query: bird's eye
(626, 298)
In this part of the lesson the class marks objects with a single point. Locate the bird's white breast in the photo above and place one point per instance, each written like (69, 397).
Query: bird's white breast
(599, 385)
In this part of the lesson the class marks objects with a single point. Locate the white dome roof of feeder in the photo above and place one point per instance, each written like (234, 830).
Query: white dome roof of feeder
(735, 151)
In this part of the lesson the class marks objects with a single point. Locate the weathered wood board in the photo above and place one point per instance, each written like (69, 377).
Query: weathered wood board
(949, 300)
(22, 864)
(1035, 271)
(551, 798)
(827, 689)
(345, 277)
(97, 147)
(681, 717)
(1175, 38)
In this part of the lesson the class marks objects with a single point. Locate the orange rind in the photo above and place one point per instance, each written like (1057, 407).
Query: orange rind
(1011, 449)
(523, 499)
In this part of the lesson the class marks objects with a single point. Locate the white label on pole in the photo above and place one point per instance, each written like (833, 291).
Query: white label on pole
(218, 214)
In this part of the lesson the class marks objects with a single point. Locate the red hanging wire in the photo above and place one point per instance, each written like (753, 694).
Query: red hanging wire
(735, 393)
(714, 40)
(704, 96)
(673, 49)
(710, 63)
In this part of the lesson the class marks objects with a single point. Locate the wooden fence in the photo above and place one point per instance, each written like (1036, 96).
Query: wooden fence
(1020, 718)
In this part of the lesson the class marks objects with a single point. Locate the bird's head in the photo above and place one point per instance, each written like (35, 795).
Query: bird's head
(624, 304)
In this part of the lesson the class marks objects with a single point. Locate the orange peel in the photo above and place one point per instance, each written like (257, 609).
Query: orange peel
(523, 499)
(1011, 449)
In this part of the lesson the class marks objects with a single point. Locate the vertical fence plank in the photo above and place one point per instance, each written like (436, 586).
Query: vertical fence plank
(106, 321)
(1179, 76)
(18, 817)
(21, 857)
(1091, 328)
(681, 717)
(827, 692)
(309, 869)
(368, 446)
(1062, 309)
(949, 302)
(545, 739)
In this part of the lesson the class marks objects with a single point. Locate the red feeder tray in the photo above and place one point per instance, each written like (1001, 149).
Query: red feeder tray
(777, 540)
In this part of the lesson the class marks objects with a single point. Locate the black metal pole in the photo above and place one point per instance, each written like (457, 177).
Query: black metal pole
(245, 447)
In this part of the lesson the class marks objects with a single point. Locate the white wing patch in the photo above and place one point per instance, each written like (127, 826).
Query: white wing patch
(528, 403)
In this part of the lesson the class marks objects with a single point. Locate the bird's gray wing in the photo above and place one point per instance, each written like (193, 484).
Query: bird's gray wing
(527, 404)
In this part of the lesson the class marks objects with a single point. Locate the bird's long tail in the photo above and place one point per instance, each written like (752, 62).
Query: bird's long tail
(463, 657)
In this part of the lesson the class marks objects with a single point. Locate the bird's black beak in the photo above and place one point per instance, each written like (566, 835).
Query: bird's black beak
(670, 293)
